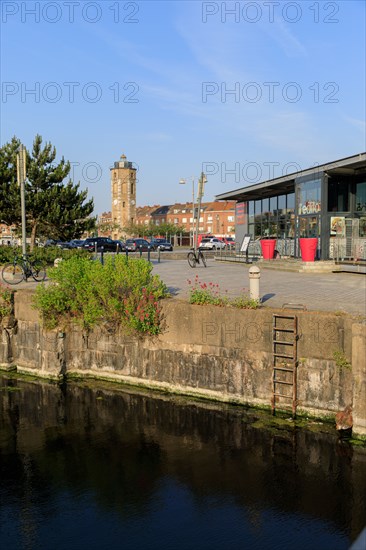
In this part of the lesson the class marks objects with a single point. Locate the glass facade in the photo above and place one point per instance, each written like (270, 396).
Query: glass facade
(337, 218)
(309, 197)
(274, 217)
(361, 197)
(338, 196)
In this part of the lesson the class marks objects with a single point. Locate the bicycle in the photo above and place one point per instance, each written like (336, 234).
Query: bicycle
(196, 257)
(21, 269)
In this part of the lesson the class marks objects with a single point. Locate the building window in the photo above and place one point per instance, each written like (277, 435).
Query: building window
(309, 197)
(176, 220)
(132, 188)
(338, 195)
(230, 218)
(251, 212)
(184, 220)
(361, 197)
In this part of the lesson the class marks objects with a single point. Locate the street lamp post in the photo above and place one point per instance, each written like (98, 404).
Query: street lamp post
(183, 181)
(201, 189)
(201, 186)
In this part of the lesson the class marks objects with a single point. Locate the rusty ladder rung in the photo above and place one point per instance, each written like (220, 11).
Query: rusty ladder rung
(291, 365)
(278, 316)
(286, 369)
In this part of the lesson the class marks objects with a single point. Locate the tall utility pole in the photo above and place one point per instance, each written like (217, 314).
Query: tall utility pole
(21, 174)
(201, 188)
(182, 182)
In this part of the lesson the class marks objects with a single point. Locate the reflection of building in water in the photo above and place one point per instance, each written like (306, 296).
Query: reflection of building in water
(303, 204)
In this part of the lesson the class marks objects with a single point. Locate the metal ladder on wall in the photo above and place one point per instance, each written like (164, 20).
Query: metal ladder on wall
(284, 373)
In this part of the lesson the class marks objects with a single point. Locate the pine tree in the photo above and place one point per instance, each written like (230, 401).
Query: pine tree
(53, 208)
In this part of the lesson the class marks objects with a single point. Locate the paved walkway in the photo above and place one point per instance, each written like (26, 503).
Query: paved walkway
(323, 292)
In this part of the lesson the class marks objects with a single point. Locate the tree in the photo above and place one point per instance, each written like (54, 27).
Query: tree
(152, 230)
(53, 208)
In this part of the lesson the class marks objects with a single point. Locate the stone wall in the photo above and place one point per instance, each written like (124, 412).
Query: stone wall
(218, 353)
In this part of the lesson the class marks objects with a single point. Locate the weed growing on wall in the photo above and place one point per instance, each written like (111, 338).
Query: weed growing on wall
(341, 360)
(6, 301)
(209, 293)
(122, 292)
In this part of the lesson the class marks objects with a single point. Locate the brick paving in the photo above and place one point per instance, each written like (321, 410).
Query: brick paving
(317, 291)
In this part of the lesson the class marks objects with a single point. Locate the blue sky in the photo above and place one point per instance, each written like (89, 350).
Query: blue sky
(152, 80)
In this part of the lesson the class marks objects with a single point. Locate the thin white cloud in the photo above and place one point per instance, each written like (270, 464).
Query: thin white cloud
(280, 33)
(357, 123)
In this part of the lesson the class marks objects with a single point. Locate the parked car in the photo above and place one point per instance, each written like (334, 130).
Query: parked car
(212, 244)
(77, 243)
(163, 244)
(134, 245)
(204, 236)
(102, 243)
(229, 241)
(52, 242)
(121, 245)
(58, 244)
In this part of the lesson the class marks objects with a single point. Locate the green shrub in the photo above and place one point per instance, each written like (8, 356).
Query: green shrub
(203, 293)
(245, 302)
(122, 292)
(210, 293)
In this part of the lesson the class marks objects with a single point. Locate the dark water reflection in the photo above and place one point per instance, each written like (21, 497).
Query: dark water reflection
(101, 468)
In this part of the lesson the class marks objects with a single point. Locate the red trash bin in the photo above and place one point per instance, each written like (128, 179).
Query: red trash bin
(268, 247)
(308, 249)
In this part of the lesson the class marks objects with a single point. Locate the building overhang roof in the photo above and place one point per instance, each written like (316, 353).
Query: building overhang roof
(286, 184)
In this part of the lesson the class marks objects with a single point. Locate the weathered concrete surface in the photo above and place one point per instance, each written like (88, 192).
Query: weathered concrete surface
(219, 353)
(359, 377)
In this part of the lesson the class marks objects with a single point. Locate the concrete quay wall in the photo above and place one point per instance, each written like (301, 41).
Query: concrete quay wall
(222, 354)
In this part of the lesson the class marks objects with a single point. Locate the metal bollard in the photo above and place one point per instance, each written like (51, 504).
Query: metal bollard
(254, 276)
(126, 252)
(102, 255)
(140, 250)
(148, 253)
(117, 249)
(159, 251)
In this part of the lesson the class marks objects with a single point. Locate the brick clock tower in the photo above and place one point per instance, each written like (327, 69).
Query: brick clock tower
(123, 187)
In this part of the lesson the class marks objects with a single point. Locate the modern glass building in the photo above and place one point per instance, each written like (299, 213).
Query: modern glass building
(327, 202)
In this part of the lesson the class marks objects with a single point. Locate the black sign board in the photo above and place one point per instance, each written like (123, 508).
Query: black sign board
(244, 247)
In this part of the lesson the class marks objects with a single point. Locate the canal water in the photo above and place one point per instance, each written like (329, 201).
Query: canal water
(95, 466)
